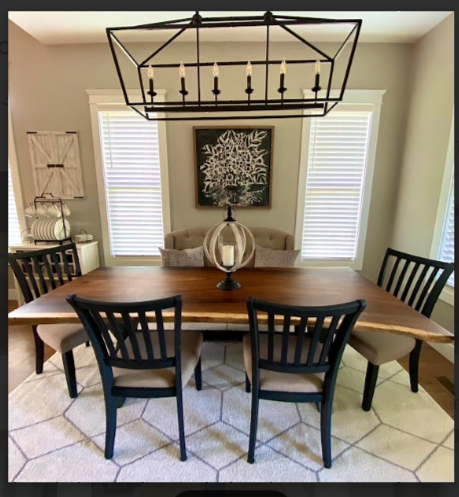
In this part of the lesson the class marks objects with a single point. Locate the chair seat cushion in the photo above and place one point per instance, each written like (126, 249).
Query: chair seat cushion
(283, 382)
(191, 345)
(380, 347)
(62, 337)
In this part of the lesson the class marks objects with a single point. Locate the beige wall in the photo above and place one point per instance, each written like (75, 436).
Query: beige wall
(47, 92)
(427, 135)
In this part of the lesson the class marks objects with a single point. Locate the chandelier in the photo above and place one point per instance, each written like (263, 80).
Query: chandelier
(319, 71)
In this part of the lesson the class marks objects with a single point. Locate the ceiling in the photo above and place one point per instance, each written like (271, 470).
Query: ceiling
(52, 28)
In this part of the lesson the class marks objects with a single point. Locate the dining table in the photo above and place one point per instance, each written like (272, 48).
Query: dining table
(204, 302)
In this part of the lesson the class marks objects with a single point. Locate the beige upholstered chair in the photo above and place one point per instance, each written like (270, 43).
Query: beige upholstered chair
(194, 237)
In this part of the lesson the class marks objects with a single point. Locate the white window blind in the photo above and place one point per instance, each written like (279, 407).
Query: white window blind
(337, 159)
(130, 153)
(447, 240)
(14, 230)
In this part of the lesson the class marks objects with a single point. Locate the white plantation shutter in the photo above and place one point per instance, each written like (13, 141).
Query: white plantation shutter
(130, 155)
(337, 159)
(447, 240)
(14, 229)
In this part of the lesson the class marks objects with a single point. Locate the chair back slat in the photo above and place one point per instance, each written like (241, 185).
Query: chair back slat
(420, 286)
(118, 333)
(57, 266)
(285, 339)
(161, 337)
(49, 272)
(392, 274)
(314, 340)
(328, 340)
(307, 354)
(401, 277)
(302, 327)
(426, 289)
(409, 282)
(105, 334)
(271, 331)
(146, 336)
(122, 336)
(36, 271)
(131, 333)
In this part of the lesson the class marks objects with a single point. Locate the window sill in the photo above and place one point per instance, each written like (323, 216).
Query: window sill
(447, 295)
(356, 265)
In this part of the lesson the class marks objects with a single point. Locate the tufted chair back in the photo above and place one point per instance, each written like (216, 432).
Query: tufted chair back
(194, 237)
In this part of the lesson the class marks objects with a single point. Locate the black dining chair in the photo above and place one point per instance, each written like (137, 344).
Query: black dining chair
(136, 360)
(300, 367)
(37, 272)
(418, 282)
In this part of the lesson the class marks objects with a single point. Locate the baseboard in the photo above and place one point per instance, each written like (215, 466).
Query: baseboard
(12, 294)
(445, 349)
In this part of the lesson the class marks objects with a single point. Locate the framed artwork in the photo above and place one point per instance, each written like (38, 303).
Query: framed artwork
(233, 165)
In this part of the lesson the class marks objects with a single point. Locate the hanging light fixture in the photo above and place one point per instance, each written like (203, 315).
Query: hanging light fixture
(201, 107)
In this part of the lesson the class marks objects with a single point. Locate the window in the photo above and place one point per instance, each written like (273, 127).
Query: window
(446, 252)
(16, 222)
(335, 182)
(132, 181)
(14, 229)
(443, 237)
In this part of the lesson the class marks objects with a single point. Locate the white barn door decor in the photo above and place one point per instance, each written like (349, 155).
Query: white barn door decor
(55, 158)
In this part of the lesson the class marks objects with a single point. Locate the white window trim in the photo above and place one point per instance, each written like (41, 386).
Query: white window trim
(103, 100)
(15, 177)
(355, 97)
(447, 295)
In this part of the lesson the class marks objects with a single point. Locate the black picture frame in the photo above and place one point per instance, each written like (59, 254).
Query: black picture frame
(233, 165)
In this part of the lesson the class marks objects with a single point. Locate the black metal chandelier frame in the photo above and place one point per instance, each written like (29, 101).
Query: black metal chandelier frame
(322, 102)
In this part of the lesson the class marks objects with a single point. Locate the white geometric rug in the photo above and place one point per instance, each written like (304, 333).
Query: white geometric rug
(406, 437)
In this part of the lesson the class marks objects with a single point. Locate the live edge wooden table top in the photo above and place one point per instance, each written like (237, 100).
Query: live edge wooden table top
(203, 302)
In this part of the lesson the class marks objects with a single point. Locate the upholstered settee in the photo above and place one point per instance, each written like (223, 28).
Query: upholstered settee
(194, 237)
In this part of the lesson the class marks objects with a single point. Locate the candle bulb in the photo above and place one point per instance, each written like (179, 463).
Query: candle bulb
(215, 73)
(283, 70)
(182, 75)
(249, 74)
(317, 78)
(150, 73)
(317, 66)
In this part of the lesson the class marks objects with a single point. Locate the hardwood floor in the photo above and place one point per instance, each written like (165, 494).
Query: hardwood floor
(436, 374)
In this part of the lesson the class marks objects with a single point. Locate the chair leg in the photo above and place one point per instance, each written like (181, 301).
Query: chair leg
(87, 343)
(370, 386)
(39, 351)
(325, 431)
(120, 402)
(318, 406)
(198, 375)
(110, 419)
(70, 376)
(414, 366)
(181, 424)
(247, 384)
(253, 426)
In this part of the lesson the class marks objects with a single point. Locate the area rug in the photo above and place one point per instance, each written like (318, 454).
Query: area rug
(406, 437)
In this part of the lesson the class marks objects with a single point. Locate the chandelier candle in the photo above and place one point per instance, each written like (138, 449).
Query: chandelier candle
(150, 81)
(215, 91)
(317, 87)
(248, 71)
(182, 80)
(283, 70)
